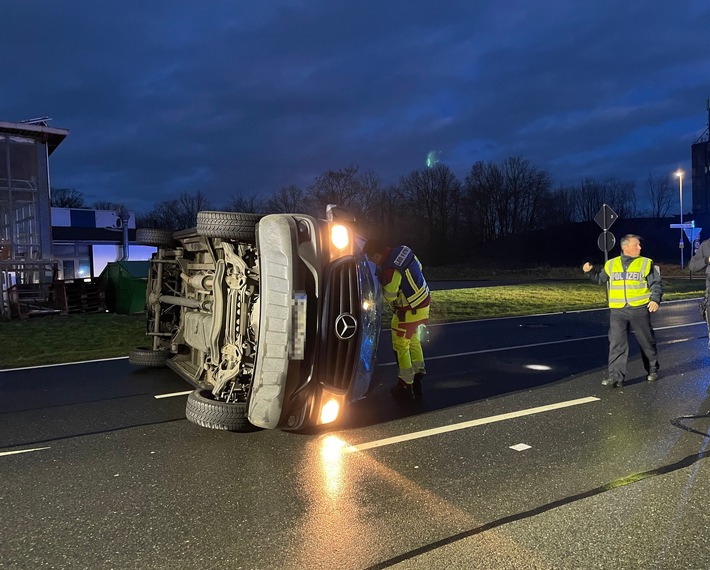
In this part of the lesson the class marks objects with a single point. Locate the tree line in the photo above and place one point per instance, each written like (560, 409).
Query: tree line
(430, 209)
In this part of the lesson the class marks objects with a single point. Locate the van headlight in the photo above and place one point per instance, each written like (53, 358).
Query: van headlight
(340, 240)
(332, 403)
(329, 411)
(339, 237)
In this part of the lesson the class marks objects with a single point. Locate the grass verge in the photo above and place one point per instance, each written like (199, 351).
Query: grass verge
(75, 338)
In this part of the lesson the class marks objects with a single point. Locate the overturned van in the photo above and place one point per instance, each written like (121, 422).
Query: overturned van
(273, 319)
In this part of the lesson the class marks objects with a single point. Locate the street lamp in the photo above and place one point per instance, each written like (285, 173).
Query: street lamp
(679, 173)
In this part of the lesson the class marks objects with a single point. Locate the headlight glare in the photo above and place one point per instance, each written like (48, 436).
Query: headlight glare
(339, 236)
(329, 411)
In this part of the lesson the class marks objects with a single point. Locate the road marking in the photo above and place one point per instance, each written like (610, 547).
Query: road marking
(472, 423)
(62, 364)
(520, 447)
(533, 345)
(159, 396)
(3, 453)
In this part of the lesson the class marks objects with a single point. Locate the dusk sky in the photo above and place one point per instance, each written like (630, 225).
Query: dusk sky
(248, 96)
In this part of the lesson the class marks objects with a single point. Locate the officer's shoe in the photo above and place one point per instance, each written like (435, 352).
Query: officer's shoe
(652, 377)
(612, 383)
(417, 386)
(402, 391)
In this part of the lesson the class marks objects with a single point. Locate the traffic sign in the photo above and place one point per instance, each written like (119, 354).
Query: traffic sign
(692, 233)
(605, 217)
(606, 241)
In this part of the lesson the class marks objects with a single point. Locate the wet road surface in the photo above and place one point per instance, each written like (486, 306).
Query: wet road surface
(516, 458)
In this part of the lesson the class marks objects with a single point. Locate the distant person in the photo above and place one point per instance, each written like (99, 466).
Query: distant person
(405, 289)
(701, 261)
(634, 293)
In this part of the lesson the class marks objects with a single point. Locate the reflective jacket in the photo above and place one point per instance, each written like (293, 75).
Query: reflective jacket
(628, 287)
(403, 283)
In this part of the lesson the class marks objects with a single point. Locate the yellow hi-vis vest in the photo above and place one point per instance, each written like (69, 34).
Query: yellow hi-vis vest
(628, 287)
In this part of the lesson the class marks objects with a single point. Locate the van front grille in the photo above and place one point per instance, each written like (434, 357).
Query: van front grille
(341, 327)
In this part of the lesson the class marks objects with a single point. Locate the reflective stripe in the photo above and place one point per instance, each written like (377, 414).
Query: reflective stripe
(412, 289)
(628, 287)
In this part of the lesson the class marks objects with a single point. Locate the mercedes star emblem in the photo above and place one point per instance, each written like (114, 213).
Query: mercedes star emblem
(345, 326)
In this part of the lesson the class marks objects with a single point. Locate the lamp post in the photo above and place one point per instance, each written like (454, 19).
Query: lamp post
(679, 173)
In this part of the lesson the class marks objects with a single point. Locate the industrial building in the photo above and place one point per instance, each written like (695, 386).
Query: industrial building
(41, 245)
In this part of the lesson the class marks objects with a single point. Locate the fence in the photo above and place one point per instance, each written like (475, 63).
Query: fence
(25, 287)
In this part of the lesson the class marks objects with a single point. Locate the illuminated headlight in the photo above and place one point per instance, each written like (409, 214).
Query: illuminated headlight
(339, 236)
(329, 411)
(331, 404)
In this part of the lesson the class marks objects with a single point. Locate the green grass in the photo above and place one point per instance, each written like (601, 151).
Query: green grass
(75, 338)
(536, 298)
(70, 338)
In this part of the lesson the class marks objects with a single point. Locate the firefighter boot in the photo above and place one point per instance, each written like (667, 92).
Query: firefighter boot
(417, 385)
(402, 391)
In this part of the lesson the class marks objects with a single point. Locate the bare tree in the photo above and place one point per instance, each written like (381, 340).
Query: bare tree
(589, 197)
(252, 204)
(592, 194)
(288, 200)
(105, 205)
(383, 216)
(505, 199)
(187, 207)
(621, 195)
(342, 187)
(67, 198)
(175, 214)
(433, 197)
(660, 195)
(524, 189)
(482, 184)
(557, 207)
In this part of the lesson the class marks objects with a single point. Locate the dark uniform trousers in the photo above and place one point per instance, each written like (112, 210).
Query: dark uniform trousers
(639, 320)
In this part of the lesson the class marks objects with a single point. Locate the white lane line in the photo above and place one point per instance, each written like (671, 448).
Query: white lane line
(3, 453)
(159, 396)
(63, 364)
(547, 343)
(472, 423)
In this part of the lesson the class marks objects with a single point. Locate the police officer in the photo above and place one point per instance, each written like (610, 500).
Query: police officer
(634, 293)
(407, 292)
(701, 261)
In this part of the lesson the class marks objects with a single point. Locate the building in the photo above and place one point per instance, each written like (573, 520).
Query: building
(700, 175)
(25, 217)
(84, 241)
(40, 244)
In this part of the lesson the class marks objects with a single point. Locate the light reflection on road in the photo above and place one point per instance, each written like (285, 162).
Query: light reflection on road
(331, 453)
(352, 500)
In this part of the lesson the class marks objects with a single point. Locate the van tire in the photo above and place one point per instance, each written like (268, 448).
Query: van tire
(157, 237)
(148, 357)
(228, 225)
(202, 409)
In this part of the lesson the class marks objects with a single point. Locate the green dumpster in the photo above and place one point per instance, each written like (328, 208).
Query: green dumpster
(125, 283)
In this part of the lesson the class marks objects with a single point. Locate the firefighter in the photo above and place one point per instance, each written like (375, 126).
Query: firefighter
(634, 293)
(405, 289)
(701, 262)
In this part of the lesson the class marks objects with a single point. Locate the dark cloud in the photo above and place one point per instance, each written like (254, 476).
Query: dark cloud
(224, 97)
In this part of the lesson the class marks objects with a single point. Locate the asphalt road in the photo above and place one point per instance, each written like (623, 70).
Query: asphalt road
(516, 458)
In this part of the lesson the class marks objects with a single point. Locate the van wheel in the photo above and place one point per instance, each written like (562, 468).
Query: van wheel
(202, 409)
(148, 357)
(228, 225)
(156, 237)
